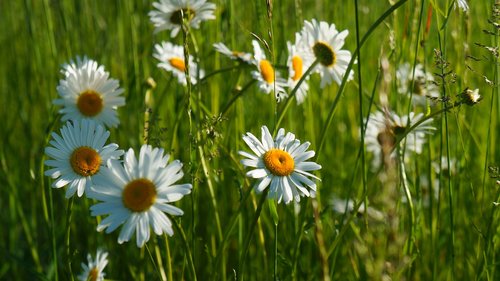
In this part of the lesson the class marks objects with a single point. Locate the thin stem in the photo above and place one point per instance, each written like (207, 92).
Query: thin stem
(410, 129)
(191, 266)
(157, 270)
(212, 193)
(235, 97)
(169, 259)
(160, 268)
(409, 199)
(53, 234)
(292, 94)
(360, 96)
(220, 71)
(372, 28)
(275, 252)
(68, 236)
(251, 230)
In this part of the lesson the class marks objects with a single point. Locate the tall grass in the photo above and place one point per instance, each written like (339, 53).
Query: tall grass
(228, 231)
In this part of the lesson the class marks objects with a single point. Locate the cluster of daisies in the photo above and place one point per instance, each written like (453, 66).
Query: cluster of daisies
(317, 49)
(136, 192)
(133, 192)
(317, 46)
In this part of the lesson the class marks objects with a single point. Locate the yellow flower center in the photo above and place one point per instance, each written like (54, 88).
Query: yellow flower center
(93, 274)
(176, 17)
(267, 71)
(85, 161)
(324, 54)
(297, 67)
(178, 63)
(139, 195)
(279, 162)
(90, 103)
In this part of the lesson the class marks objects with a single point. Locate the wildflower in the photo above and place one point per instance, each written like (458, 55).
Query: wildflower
(234, 55)
(137, 194)
(79, 155)
(417, 82)
(462, 4)
(267, 79)
(281, 164)
(171, 58)
(323, 42)
(384, 130)
(87, 92)
(170, 13)
(298, 63)
(93, 271)
(471, 97)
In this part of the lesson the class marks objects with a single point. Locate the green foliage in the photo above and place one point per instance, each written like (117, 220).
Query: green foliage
(450, 231)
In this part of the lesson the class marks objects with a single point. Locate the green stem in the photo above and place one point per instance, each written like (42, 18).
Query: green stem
(360, 96)
(220, 71)
(409, 199)
(235, 97)
(372, 28)
(275, 252)
(249, 236)
(169, 259)
(159, 261)
(212, 193)
(69, 211)
(292, 94)
(410, 129)
(179, 229)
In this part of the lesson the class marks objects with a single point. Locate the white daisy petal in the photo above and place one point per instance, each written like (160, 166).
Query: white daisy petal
(84, 93)
(135, 194)
(322, 42)
(168, 15)
(268, 80)
(94, 269)
(280, 165)
(77, 158)
(171, 59)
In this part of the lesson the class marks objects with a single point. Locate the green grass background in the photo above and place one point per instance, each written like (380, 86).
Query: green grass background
(37, 37)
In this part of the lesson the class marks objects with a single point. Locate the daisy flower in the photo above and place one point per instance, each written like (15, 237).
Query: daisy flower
(234, 55)
(137, 194)
(281, 164)
(78, 155)
(267, 79)
(86, 92)
(75, 64)
(323, 42)
(93, 271)
(171, 58)
(384, 130)
(419, 84)
(462, 4)
(297, 63)
(169, 13)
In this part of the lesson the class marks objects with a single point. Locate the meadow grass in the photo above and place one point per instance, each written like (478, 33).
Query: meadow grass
(229, 232)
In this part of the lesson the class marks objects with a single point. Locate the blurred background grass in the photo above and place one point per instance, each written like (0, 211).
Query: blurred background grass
(37, 37)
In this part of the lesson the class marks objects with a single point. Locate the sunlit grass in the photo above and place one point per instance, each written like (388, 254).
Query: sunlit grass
(450, 234)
